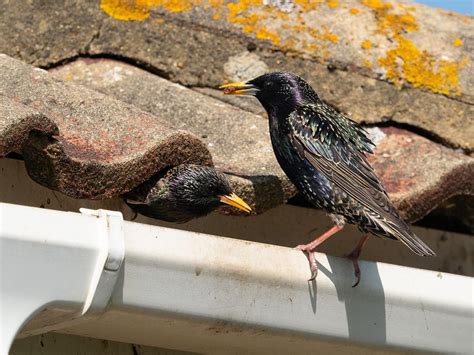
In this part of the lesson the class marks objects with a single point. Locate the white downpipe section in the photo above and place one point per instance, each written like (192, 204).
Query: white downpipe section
(210, 294)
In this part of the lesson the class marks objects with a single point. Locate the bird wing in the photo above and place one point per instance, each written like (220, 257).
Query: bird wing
(336, 146)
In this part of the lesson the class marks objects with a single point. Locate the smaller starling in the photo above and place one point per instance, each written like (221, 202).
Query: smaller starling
(186, 192)
(323, 152)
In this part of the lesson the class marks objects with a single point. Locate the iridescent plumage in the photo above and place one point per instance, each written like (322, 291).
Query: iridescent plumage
(323, 152)
(186, 192)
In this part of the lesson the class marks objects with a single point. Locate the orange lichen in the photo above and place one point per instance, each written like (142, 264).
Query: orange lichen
(457, 42)
(126, 10)
(420, 69)
(308, 5)
(377, 4)
(389, 22)
(178, 5)
(139, 10)
(366, 44)
(406, 62)
(250, 15)
(330, 37)
(367, 64)
(263, 33)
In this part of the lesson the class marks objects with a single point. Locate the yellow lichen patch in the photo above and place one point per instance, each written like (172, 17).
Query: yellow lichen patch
(177, 5)
(139, 10)
(406, 62)
(420, 69)
(368, 64)
(377, 4)
(289, 32)
(354, 11)
(308, 5)
(366, 44)
(457, 42)
(126, 10)
(263, 33)
(250, 15)
(330, 37)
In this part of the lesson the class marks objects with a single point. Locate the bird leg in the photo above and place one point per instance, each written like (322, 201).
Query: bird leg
(309, 249)
(354, 256)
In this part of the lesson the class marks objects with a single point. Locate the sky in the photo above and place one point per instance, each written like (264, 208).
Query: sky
(462, 6)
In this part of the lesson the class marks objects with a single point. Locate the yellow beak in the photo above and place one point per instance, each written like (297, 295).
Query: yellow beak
(239, 88)
(235, 201)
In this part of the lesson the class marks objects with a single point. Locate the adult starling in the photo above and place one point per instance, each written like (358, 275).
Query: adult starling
(186, 192)
(323, 152)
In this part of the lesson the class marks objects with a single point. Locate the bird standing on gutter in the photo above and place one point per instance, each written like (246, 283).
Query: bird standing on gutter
(323, 152)
(186, 192)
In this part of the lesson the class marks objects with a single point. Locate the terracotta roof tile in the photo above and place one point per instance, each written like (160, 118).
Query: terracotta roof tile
(100, 147)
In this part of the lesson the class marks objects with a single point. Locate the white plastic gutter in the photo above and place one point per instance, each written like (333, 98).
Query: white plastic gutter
(202, 293)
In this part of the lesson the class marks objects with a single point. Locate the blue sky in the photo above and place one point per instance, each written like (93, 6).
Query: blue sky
(462, 6)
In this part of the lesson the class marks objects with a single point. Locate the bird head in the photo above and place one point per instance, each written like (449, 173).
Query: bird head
(278, 91)
(202, 189)
(188, 191)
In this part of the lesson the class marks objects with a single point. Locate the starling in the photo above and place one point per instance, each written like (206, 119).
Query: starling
(186, 192)
(323, 153)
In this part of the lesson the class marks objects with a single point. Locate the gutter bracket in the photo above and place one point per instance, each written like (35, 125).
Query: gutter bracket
(109, 264)
(63, 246)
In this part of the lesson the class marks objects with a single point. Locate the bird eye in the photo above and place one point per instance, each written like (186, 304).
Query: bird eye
(268, 84)
(285, 88)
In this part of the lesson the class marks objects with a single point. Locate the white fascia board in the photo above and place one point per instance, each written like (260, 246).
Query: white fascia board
(203, 293)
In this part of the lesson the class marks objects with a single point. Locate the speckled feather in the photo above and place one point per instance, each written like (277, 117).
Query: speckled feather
(323, 153)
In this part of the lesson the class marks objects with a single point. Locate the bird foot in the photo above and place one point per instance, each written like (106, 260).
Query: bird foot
(309, 249)
(354, 257)
(355, 262)
(311, 259)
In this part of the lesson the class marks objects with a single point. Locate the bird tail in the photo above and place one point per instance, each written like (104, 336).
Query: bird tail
(388, 224)
(401, 231)
(414, 243)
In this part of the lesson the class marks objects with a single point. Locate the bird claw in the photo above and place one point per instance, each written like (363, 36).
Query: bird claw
(313, 265)
(312, 260)
(309, 249)
(355, 262)
(302, 247)
(354, 257)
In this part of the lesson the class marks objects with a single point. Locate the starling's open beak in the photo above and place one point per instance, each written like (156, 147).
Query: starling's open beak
(236, 201)
(239, 88)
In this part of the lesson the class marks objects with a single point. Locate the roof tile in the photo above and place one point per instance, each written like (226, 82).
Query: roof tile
(102, 147)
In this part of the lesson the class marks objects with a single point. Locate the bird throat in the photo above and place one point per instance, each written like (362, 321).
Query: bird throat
(280, 109)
